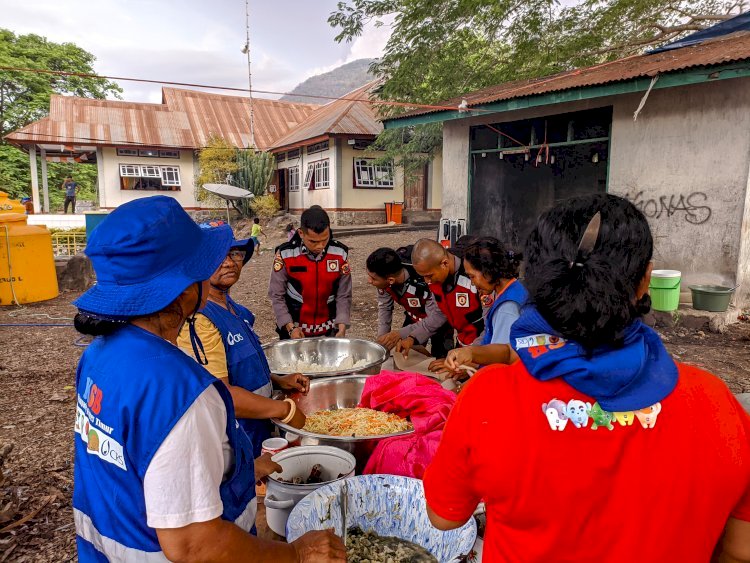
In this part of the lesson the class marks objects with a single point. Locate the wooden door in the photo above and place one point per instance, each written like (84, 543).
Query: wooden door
(415, 192)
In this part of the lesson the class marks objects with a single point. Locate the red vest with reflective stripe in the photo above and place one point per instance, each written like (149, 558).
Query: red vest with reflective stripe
(413, 299)
(312, 285)
(461, 305)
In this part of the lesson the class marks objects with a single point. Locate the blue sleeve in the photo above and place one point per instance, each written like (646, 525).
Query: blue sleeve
(502, 320)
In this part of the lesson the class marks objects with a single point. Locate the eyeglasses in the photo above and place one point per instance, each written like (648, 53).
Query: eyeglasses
(237, 255)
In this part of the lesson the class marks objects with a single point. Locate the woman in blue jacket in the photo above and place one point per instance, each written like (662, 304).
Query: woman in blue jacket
(162, 470)
(233, 352)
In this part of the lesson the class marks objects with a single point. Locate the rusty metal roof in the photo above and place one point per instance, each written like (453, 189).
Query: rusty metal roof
(730, 48)
(184, 119)
(345, 116)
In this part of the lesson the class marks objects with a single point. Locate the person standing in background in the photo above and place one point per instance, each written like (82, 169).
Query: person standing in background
(71, 191)
(311, 282)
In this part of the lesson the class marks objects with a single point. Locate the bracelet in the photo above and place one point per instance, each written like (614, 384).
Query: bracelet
(292, 411)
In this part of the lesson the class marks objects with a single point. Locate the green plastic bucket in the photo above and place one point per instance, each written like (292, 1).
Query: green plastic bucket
(714, 298)
(665, 290)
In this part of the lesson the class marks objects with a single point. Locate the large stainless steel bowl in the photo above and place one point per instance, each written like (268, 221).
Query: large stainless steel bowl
(329, 352)
(329, 394)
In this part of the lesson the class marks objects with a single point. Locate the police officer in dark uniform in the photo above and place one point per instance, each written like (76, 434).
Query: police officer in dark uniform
(397, 282)
(311, 283)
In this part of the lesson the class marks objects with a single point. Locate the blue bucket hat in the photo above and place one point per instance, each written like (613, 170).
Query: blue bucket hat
(145, 253)
(245, 244)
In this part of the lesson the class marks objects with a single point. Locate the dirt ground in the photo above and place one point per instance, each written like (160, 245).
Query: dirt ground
(37, 374)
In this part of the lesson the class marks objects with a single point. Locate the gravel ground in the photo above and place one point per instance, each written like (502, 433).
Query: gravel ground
(37, 404)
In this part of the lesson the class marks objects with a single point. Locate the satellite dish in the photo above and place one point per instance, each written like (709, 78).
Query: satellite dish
(228, 192)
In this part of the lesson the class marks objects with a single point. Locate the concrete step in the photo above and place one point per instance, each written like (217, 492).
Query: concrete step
(341, 232)
(690, 318)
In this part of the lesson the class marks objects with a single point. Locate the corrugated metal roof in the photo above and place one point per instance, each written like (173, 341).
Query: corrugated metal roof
(185, 119)
(727, 49)
(346, 116)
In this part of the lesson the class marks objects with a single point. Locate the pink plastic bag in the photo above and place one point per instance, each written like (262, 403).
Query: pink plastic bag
(425, 403)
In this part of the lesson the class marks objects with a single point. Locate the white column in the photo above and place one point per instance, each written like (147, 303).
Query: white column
(45, 185)
(100, 183)
(34, 178)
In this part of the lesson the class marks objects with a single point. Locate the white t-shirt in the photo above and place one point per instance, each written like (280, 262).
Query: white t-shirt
(181, 485)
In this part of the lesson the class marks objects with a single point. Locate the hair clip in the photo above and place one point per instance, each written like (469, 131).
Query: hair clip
(588, 240)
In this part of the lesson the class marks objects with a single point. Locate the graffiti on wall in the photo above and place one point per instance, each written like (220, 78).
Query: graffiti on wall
(692, 207)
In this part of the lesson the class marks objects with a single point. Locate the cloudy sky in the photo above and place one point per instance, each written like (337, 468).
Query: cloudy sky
(196, 41)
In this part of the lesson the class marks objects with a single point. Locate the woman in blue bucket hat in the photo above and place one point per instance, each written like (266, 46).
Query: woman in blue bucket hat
(162, 469)
(234, 353)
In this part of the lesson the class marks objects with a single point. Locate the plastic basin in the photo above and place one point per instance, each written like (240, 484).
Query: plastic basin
(713, 298)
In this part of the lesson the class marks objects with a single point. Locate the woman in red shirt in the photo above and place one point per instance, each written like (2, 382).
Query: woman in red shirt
(596, 445)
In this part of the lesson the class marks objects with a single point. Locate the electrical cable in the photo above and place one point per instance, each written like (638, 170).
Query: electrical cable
(411, 105)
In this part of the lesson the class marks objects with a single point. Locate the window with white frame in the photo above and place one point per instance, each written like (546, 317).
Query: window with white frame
(148, 171)
(149, 177)
(317, 176)
(130, 171)
(367, 174)
(293, 178)
(318, 147)
(170, 175)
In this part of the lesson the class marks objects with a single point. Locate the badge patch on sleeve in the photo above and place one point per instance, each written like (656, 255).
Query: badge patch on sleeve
(487, 300)
(462, 300)
(413, 302)
(278, 263)
(346, 269)
(332, 265)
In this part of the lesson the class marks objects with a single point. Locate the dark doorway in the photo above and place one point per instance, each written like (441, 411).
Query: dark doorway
(521, 169)
(282, 188)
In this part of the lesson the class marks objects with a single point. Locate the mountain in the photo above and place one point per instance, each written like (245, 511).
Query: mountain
(335, 83)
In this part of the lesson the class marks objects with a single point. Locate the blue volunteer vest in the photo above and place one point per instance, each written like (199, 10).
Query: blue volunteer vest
(132, 388)
(246, 361)
(515, 292)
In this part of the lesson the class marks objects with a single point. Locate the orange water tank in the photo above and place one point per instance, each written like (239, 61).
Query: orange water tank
(27, 263)
(8, 205)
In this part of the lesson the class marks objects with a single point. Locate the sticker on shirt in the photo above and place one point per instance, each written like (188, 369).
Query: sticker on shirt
(624, 418)
(462, 300)
(601, 418)
(556, 413)
(346, 269)
(538, 340)
(413, 302)
(332, 265)
(487, 300)
(647, 417)
(278, 263)
(578, 413)
(98, 442)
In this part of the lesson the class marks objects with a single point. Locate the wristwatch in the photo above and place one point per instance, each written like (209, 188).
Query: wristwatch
(288, 329)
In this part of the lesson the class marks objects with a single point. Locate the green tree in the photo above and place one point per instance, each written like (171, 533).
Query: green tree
(441, 49)
(25, 97)
(217, 163)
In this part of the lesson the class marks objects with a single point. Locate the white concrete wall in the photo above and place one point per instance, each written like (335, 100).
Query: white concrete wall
(684, 162)
(435, 182)
(113, 195)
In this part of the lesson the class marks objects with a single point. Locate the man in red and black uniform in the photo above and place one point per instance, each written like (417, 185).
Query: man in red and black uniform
(311, 283)
(452, 289)
(397, 282)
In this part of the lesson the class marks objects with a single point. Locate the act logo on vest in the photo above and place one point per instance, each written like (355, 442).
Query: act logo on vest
(94, 433)
(233, 339)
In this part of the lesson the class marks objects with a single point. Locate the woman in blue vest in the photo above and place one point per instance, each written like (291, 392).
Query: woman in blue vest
(162, 469)
(494, 271)
(234, 354)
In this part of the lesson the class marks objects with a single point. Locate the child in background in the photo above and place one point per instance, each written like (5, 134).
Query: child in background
(256, 233)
